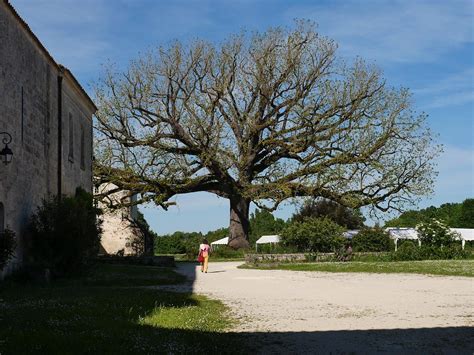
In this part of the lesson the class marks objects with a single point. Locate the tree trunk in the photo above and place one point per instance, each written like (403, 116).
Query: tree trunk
(239, 222)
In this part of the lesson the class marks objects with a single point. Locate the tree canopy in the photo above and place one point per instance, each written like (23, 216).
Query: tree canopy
(261, 118)
(344, 216)
(455, 215)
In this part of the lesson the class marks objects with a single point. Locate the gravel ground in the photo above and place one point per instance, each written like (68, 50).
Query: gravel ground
(315, 312)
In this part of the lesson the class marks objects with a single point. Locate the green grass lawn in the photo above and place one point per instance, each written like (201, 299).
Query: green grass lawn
(111, 311)
(431, 267)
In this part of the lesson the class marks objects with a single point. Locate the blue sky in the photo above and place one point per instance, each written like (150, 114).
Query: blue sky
(426, 46)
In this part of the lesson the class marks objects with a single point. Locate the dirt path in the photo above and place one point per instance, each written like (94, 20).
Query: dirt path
(370, 309)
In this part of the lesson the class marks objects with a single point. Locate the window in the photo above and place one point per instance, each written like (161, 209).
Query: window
(71, 139)
(83, 153)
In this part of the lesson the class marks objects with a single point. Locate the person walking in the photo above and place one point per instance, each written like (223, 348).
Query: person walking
(204, 251)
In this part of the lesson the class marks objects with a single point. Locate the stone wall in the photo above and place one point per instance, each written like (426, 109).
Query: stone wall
(29, 94)
(120, 235)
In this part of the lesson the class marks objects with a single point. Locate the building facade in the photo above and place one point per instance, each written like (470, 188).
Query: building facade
(121, 234)
(49, 117)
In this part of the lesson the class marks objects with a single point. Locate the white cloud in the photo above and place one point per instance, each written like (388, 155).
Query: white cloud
(398, 31)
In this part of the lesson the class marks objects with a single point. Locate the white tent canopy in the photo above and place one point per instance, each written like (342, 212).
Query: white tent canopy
(267, 239)
(402, 233)
(411, 233)
(350, 233)
(465, 233)
(223, 241)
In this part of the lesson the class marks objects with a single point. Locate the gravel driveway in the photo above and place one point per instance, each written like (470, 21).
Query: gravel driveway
(310, 312)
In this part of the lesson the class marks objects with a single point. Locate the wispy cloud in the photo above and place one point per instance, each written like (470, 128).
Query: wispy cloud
(397, 31)
(452, 90)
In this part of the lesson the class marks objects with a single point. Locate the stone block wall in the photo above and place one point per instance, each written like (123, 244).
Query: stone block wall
(29, 94)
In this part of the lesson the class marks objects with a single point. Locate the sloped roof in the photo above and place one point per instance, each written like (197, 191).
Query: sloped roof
(265, 239)
(61, 68)
(223, 241)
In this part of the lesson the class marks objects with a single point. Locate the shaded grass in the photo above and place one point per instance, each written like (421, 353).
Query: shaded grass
(430, 267)
(102, 314)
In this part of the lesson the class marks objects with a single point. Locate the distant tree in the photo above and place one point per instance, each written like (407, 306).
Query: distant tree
(261, 119)
(178, 243)
(346, 217)
(264, 223)
(455, 215)
(217, 234)
(466, 215)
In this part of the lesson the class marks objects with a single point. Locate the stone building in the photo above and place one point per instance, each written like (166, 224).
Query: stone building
(49, 117)
(120, 232)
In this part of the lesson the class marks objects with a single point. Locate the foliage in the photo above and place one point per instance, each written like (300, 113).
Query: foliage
(65, 233)
(466, 216)
(224, 252)
(143, 244)
(410, 251)
(430, 267)
(435, 233)
(372, 239)
(456, 215)
(262, 118)
(406, 251)
(313, 235)
(178, 243)
(264, 223)
(344, 216)
(7, 247)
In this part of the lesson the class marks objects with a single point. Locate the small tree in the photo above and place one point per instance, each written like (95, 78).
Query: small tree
(436, 233)
(313, 235)
(65, 233)
(372, 239)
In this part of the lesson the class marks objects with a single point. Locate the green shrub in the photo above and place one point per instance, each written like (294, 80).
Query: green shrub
(313, 235)
(372, 239)
(7, 247)
(65, 233)
(224, 252)
(436, 233)
(408, 250)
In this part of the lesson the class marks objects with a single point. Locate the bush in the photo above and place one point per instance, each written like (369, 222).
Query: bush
(224, 252)
(436, 233)
(313, 235)
(408, 250)
(372, 239)
(7, 247)
(65, 233)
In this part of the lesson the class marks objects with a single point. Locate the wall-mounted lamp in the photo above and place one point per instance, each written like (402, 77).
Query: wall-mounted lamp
(6, 154)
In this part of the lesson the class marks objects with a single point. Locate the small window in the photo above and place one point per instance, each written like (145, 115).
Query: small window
(83, 153)
(71, 139)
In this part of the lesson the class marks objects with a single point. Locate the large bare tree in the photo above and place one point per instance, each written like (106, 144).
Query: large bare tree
(261, 118)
